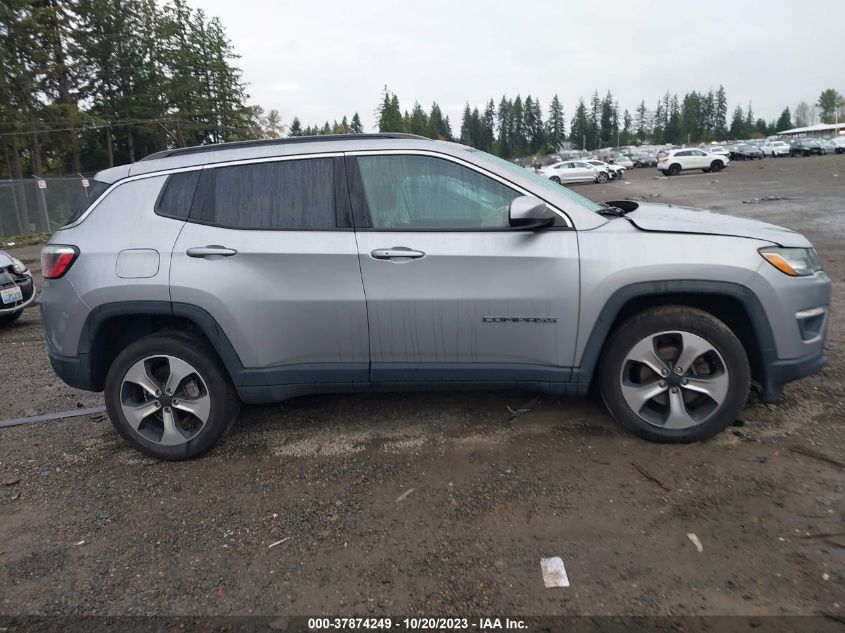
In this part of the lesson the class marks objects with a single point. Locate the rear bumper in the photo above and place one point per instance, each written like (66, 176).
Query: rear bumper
(73, 370)
(780, 372)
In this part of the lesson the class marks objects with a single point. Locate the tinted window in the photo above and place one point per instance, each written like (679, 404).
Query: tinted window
(177, 195)
(290, 194)
(96, 190)
(420, 192)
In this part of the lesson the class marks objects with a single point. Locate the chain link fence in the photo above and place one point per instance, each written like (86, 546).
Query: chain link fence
(38, 205)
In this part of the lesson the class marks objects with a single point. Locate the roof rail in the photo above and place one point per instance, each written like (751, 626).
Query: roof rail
(181, 151)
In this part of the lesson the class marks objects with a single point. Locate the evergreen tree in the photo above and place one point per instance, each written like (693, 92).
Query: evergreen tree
(504, 118)
(609, 121)
(580, 126)
(594, 128)
(627, 122)
(488, 125)
(438, 126)
(720, 122)
(355, 126)
(419, 121)
(295, 127)
(388, 114)
(737, 130)
(802, 114)
(784, 121)
(641, 122)
(518, 138)
(555, 126)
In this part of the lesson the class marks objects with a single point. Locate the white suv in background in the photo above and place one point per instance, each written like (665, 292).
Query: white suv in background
(675, 161)
(775, 148)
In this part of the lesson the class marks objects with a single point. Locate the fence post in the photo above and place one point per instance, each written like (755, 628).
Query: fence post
(43, 200)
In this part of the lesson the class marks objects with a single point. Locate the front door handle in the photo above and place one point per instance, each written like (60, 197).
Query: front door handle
(396, 252)
(212, 250)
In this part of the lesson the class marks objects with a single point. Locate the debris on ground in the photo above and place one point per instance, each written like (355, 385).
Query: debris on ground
(809, 452)
(525, 408)
(768, 199)
(404, 495)
(277, 543)
(82, 542)
(554, 573)
(650, 477)
(696, 541)
(745, 437)
(12, 482)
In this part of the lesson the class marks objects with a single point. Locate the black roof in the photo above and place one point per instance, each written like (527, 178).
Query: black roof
(279, 141)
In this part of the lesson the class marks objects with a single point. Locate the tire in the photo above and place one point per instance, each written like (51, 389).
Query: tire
(555, 179)
(665, 172)
(601, 177)
(671, 410)
(674, 169)
(7, 319)
(204, 387)
(717, 166)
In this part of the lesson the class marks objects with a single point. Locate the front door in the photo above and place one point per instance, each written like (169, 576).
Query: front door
(453, 293)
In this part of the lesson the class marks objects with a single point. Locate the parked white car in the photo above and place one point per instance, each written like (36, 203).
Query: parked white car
(775, 148)
(615, 171)
(675, 161)
(719, 150)
(623, 161)
(575, 171)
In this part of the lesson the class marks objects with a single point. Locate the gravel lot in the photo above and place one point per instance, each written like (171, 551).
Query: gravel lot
(88, 526)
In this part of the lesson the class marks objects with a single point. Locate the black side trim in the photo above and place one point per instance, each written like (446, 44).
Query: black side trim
(749, 300)
(467, 372)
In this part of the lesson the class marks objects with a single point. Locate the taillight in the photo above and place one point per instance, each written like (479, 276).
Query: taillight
(56, 260)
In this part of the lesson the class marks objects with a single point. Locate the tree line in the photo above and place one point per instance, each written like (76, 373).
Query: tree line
(516, 127)
(86, 84)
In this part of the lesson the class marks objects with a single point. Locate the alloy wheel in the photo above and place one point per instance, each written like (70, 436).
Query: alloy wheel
(674, 379)
(165, 400)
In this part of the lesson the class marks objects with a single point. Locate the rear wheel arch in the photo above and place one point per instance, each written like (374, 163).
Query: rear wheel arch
(733, 304)
(110, 328)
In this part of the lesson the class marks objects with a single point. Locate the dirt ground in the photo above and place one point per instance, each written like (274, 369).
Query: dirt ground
(440, 504)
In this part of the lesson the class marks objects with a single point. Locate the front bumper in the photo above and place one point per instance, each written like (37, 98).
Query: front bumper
(27, 285)
(780, 372)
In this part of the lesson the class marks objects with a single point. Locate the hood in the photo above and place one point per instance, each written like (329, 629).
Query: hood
(671, 219)
(5, 259)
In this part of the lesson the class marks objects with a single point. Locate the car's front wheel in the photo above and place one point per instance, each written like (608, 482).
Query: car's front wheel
(169, 396)
(716, 165)
(674, 374)
(601, 177)
(555, 179)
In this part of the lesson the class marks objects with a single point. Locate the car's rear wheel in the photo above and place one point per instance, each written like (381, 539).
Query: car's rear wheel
(674, 169)
(7, 319)
(601, 177)
(674, 374)
(169, 396)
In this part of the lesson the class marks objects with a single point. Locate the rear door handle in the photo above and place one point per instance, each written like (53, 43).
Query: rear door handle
(212, 250)
(396, 252)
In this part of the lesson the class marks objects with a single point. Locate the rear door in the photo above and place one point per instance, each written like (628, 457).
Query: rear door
(269, 252)
(453, 293)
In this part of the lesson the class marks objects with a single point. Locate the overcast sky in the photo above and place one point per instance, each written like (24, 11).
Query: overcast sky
(320, 60)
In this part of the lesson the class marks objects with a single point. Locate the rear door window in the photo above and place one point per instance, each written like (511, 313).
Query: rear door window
(282, 195)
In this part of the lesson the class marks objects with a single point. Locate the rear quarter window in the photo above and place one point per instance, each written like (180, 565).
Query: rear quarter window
(95, 192)
(177, 195)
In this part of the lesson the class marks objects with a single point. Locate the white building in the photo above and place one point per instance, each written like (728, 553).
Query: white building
(822, 129)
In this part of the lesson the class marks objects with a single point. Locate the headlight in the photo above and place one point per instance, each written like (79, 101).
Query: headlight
(795, 262)
(18, 266)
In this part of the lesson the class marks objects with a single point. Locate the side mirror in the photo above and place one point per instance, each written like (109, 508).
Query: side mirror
(528, 212)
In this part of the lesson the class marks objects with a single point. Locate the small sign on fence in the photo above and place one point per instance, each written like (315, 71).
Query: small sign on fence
(42, 184)
(85, 183)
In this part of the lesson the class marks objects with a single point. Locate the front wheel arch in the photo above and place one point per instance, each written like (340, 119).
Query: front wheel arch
(735, 305)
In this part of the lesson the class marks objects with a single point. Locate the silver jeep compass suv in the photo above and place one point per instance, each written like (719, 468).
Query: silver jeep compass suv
(200, 278)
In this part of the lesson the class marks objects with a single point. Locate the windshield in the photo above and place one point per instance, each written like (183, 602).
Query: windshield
(543, 184)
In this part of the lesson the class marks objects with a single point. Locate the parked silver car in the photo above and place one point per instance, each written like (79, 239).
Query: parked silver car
(17, 288)
(199, 278)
